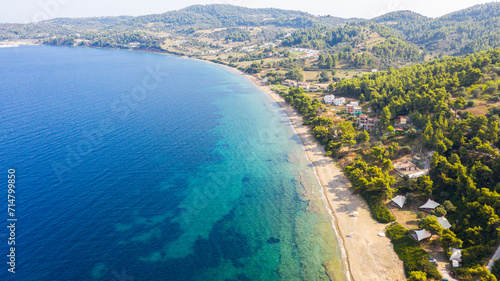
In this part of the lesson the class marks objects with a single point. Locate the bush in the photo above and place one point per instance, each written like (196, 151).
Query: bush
(395, 230)
(474, 273)
(406, 149)
(448, 206)
(417, 276)
(440, 211)
(495, 270)
(420, 215)
(475, 255)
(379, 211)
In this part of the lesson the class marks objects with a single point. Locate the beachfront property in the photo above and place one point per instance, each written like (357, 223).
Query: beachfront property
(398, 201)
(303, 86)
(429, 205)
(339, 101)
(456, 257)
(134, 45)
(290, 83)
(444, 222)
(367, 123)
(329, 99)
(420, 235)
(313, 88)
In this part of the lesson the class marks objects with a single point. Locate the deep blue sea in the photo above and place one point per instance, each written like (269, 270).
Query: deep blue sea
(137, 166)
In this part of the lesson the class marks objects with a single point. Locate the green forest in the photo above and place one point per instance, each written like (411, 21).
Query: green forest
(465, 166)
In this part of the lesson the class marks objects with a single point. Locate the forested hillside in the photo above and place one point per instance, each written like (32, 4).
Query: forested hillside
(465, 168)
(470, 30)
(392, 40)
(186, 20)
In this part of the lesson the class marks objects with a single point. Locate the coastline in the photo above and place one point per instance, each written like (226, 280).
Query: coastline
(368, 256)
(365, 255)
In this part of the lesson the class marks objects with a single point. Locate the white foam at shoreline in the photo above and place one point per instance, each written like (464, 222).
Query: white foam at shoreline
(8, 45)
(325, 200)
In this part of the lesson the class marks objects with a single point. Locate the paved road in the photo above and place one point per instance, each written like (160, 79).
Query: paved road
(496, 256)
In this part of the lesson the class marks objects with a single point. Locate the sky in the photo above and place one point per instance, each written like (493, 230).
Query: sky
(23, 11)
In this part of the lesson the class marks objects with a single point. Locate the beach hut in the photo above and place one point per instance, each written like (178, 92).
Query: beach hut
(420, 234)
(398, 201)
(429, 205)
(456, 257)
(444, 222)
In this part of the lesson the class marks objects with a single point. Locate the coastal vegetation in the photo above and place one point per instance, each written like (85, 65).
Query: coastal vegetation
(464, 168)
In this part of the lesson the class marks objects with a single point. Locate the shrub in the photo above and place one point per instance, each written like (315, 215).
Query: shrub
(395, 230)
(474, 273)
(440, 211)
(417, 276)
(495, 270)
(448, 206)
(420, 215)
(406, 149)
(379, 211)
(475, 255)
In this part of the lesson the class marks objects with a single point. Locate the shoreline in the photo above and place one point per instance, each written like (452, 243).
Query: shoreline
(365, 255)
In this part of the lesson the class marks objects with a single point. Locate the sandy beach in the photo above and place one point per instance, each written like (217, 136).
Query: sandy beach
(369, 256)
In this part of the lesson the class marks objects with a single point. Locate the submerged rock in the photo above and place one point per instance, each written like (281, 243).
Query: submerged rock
(273, 240)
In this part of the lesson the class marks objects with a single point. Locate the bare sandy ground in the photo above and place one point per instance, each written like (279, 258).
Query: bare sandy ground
(369, 256)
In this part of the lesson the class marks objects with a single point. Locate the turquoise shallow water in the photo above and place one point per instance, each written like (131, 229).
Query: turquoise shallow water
(134, 165)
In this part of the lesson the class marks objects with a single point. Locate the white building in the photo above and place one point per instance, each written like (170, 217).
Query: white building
(399, 201)
(339, 101)
(456, 257)
(329, 99)
(313, 88)
(429, 205)
(304, 86)
(420, 234)
(290, 83)
(354, 103)
(444, 222)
